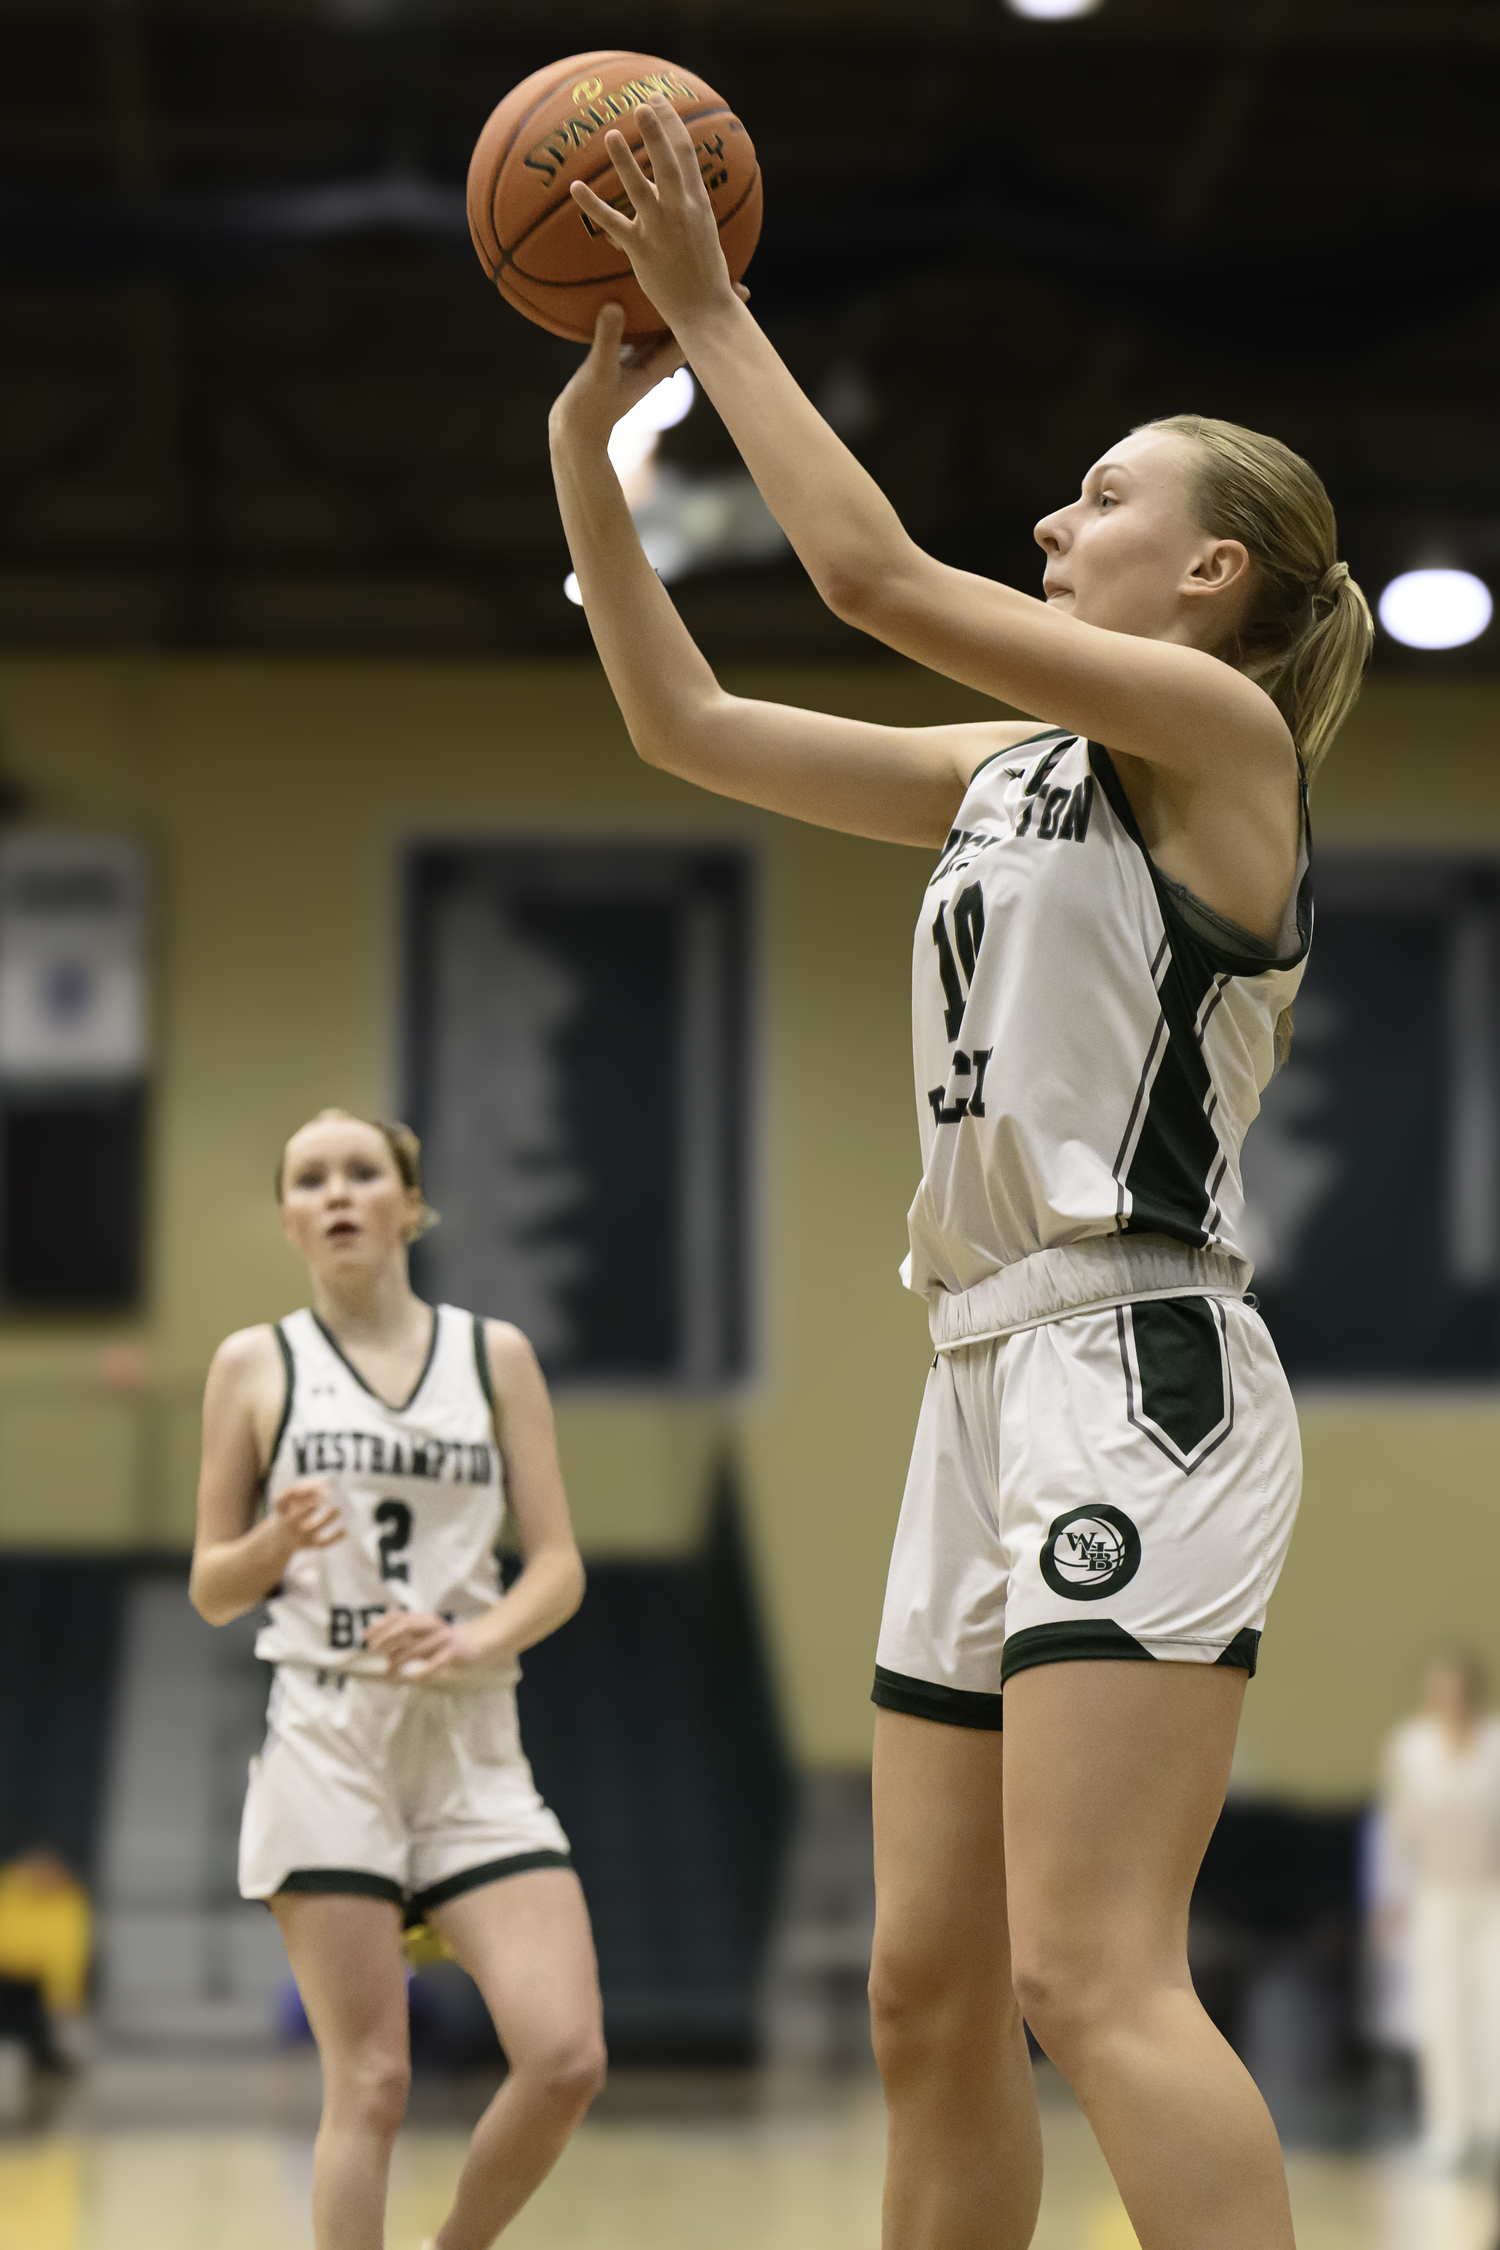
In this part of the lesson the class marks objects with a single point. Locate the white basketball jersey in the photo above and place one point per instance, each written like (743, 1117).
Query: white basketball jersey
(419, 1487)
(1091, 1041)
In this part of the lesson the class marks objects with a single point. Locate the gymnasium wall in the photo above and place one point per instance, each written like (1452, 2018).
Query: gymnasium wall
(275, 799)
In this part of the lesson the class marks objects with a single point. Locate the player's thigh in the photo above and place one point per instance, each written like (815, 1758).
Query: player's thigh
(526, 1942)
(1115, 1774)
(350, 1966)
(940, 1877)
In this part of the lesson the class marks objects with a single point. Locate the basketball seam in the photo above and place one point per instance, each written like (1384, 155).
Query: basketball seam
(508, 252)
(593, 280)
(628, 273)
(599, 55)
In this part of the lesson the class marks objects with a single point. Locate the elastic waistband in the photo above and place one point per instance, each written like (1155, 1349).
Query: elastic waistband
(1108, 1269)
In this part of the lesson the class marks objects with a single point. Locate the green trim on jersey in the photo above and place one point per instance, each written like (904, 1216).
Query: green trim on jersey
(1089, 1640)
(1182, 1368)
(369, 1389)
(475, 1878)
(1043, 734)
(343, 1882)
(289, 1367)
(947, 1706)
(482, 1361)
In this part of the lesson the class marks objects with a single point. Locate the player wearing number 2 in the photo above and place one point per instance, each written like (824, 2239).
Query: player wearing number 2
(1106, 1467)
(388, 1439)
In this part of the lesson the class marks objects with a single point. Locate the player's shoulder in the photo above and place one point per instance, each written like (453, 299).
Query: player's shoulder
(247, 1354)
(509, 1356)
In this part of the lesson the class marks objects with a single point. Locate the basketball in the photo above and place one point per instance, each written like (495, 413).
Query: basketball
(542, 254)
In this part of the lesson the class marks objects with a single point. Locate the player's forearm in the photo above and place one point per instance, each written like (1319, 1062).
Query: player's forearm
(661, 681)
(232, 1575)
(545, 1596)
(847, 535)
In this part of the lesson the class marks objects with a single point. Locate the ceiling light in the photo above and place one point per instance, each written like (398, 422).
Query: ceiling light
(1436, 608)
(572, 589)
(633, 438)
(1052, 11)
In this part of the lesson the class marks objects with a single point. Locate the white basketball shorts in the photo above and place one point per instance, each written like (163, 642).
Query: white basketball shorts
(410, 1793)
(1119, 1483)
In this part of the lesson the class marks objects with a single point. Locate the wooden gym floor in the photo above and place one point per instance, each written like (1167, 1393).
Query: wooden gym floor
(742, 2164)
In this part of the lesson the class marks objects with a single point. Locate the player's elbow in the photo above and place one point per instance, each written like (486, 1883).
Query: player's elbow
(213, 1608)
(845, 584)
(862, 578)
(574, 1583)
(680, 739)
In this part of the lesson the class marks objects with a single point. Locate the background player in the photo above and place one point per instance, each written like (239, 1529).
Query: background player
(1084, 1305)
(388, 1438)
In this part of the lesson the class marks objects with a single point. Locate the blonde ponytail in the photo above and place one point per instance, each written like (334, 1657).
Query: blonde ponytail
(1308, 634)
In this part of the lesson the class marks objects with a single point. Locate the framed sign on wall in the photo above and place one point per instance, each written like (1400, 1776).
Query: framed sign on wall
(1373, 1173)
(577, 1052)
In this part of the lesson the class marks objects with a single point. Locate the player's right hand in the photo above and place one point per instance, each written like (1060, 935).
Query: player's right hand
(308, 1516)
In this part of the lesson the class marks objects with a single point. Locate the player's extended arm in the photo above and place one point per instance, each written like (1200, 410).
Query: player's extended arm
(1165, 704)
(899, 784)
(237, 1561)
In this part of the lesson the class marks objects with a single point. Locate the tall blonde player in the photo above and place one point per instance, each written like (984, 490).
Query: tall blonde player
(1106, 1467)
(388, 1439)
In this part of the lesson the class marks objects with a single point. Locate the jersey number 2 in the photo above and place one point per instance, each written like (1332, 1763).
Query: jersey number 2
(396, 1517)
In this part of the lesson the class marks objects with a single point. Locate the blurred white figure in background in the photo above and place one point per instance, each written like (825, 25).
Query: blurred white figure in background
(1442, 1809)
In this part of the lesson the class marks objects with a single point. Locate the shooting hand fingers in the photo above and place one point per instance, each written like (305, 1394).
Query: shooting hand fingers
(612, 223)
(668, 144)
(632, 179)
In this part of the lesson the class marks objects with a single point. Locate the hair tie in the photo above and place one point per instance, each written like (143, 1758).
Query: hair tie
(1335, 576)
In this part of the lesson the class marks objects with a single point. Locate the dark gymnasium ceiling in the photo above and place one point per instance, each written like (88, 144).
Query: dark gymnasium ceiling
(255, 393)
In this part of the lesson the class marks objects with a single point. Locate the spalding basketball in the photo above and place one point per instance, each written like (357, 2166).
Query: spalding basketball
(542, 254)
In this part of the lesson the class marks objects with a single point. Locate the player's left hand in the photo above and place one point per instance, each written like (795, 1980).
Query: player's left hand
(673, 240)
(418, 1645)
(611, 380)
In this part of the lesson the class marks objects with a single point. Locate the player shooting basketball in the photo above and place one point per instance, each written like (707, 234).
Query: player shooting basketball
(1106, 1468)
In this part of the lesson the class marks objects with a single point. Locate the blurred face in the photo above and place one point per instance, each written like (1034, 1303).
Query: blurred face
(1446, 1696)
(344, 1205)
(1129, 555)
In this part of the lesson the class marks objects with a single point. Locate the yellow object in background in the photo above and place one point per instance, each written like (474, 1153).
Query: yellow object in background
(46, 1929)
(424, 1946)
(40, 2197)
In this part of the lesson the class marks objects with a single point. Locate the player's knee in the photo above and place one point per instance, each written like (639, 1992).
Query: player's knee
(372, 2089)
(573, 2069)
(920, 2000)
(1062, 1995)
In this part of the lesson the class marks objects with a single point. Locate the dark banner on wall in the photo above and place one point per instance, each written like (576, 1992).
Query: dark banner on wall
(578, 1068)
(1374, 1171)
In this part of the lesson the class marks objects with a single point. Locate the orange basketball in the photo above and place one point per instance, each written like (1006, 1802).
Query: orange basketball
(537, 247)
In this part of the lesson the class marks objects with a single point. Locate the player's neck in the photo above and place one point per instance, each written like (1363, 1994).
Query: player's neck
(373, 1308)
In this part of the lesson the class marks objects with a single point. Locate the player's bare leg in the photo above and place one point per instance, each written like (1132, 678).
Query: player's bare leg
(964, 2153)
(526, 1943)
(1114, 1777)
(347, 1957)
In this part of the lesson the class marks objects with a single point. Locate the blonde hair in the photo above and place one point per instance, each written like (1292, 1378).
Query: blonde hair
(1308, 634)
(406, 1155)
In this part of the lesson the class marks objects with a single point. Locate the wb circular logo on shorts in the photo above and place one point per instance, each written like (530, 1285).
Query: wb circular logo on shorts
(1090, 1552)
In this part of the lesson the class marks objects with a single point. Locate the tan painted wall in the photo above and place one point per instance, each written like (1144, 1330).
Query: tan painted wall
(275, 798)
